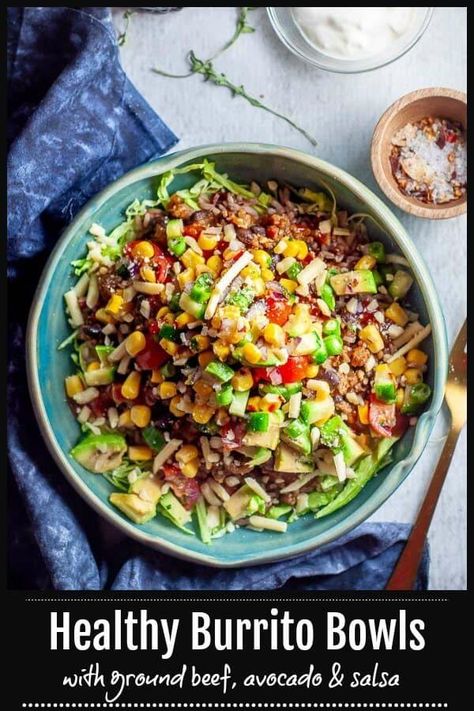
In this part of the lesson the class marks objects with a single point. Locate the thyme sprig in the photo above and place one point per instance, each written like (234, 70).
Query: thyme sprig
(123, 35)
(205, 67)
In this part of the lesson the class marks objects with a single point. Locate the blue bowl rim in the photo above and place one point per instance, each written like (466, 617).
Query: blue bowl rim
(423, 278)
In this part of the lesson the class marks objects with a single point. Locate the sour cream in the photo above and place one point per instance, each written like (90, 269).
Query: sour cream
(354, 33)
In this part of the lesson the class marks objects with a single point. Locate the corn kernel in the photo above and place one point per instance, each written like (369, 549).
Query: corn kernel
(400, 397)
(114, 305)
(274, 334)
(270, 402)
(124, 419)
(202, 414)
(135, 343)
(148, 274)
(370, 335)
(363, 440)
(253, 404)
(140, 453)
(215, 264)
(169, 346)
(230, 254)
(397, 314)
(207, 241)
(186, 453)
(261, 257)
(363, 411)
(185, 277)
(201, 269)
(267, 275)
(140, 415)
(302, 249)
(102, 316)
(167, 390)
(252, 271)
(162, 312)
(312, 370)
(251, 353)
(259, 286)
(190, 469)
(231, 312)
(416, 358)
(203, 389)
(289, 285)
(205, 358)
(242, 380)
(366, 262)
(291, 249)
(73, 385)
(221, 350)
(143, 250)
(413, 376)
(321, 389)
(156, 377)
(398, 366)
(200, 343)
(183, 319)
(95, 365)
(173, 406)
(190, 259)
(131, 386)
(382, 368)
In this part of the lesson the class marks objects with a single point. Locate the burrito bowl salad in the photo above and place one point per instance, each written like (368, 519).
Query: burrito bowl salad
(243, 355)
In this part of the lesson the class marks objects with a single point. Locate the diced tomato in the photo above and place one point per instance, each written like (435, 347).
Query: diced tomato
(382, 417)
(294, 369)
(187, 490)
(193, 230)
(152, 327)
(261, 374)
(451, 137)
(401, 424)
(272, 231)
(366, 317)
(278, 309)
(153, 356)
(102, 402)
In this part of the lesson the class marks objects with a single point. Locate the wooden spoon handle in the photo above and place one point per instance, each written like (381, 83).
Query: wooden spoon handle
(406, 569)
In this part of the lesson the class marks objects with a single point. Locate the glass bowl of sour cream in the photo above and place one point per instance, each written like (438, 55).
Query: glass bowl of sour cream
(349, 39)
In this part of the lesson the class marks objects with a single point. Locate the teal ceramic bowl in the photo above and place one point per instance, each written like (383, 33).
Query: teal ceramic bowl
(47, 367)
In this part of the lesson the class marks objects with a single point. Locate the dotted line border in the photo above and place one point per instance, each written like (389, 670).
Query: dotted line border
(237, 599)
(218, 704)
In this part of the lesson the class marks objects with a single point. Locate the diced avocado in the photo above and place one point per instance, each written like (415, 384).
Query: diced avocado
(357, 282)
(261, 456)
(147, 489)
(170, 507)
(268, 439)
(400, 284)
(101, 376)
(312, 411)
(221, 371)
(239, 403)
(317, 499)
(384, 386)
(336, 435)
(138, 510)
(242, 298)
(286, 391)
(154, 438)
(244, 502)
(100, 453)
(191, 307)
(268, 362)
(289, 460)
(306, 344)
(296, 434)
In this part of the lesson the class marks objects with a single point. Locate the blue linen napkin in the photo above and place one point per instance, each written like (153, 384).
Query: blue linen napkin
(75, 124)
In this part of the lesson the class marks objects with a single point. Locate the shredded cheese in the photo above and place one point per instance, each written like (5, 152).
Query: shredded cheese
(294, 405)
(255, 486)
(298, 483)
(311, 271)
(417, 338)
(76, 318)
(269, 524)
(224, 282)
(407, 334)
(168, 450)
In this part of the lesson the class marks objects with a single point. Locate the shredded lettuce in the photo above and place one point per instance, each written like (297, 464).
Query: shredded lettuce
(119, 477)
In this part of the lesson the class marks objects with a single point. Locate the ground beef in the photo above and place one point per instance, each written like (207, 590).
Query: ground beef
(108, 284)
(178, 208)
(360, 355)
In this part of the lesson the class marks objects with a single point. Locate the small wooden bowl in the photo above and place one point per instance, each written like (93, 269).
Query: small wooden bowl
(445, 103)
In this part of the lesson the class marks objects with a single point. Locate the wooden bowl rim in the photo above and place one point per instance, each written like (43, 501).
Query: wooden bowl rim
(402, 201)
